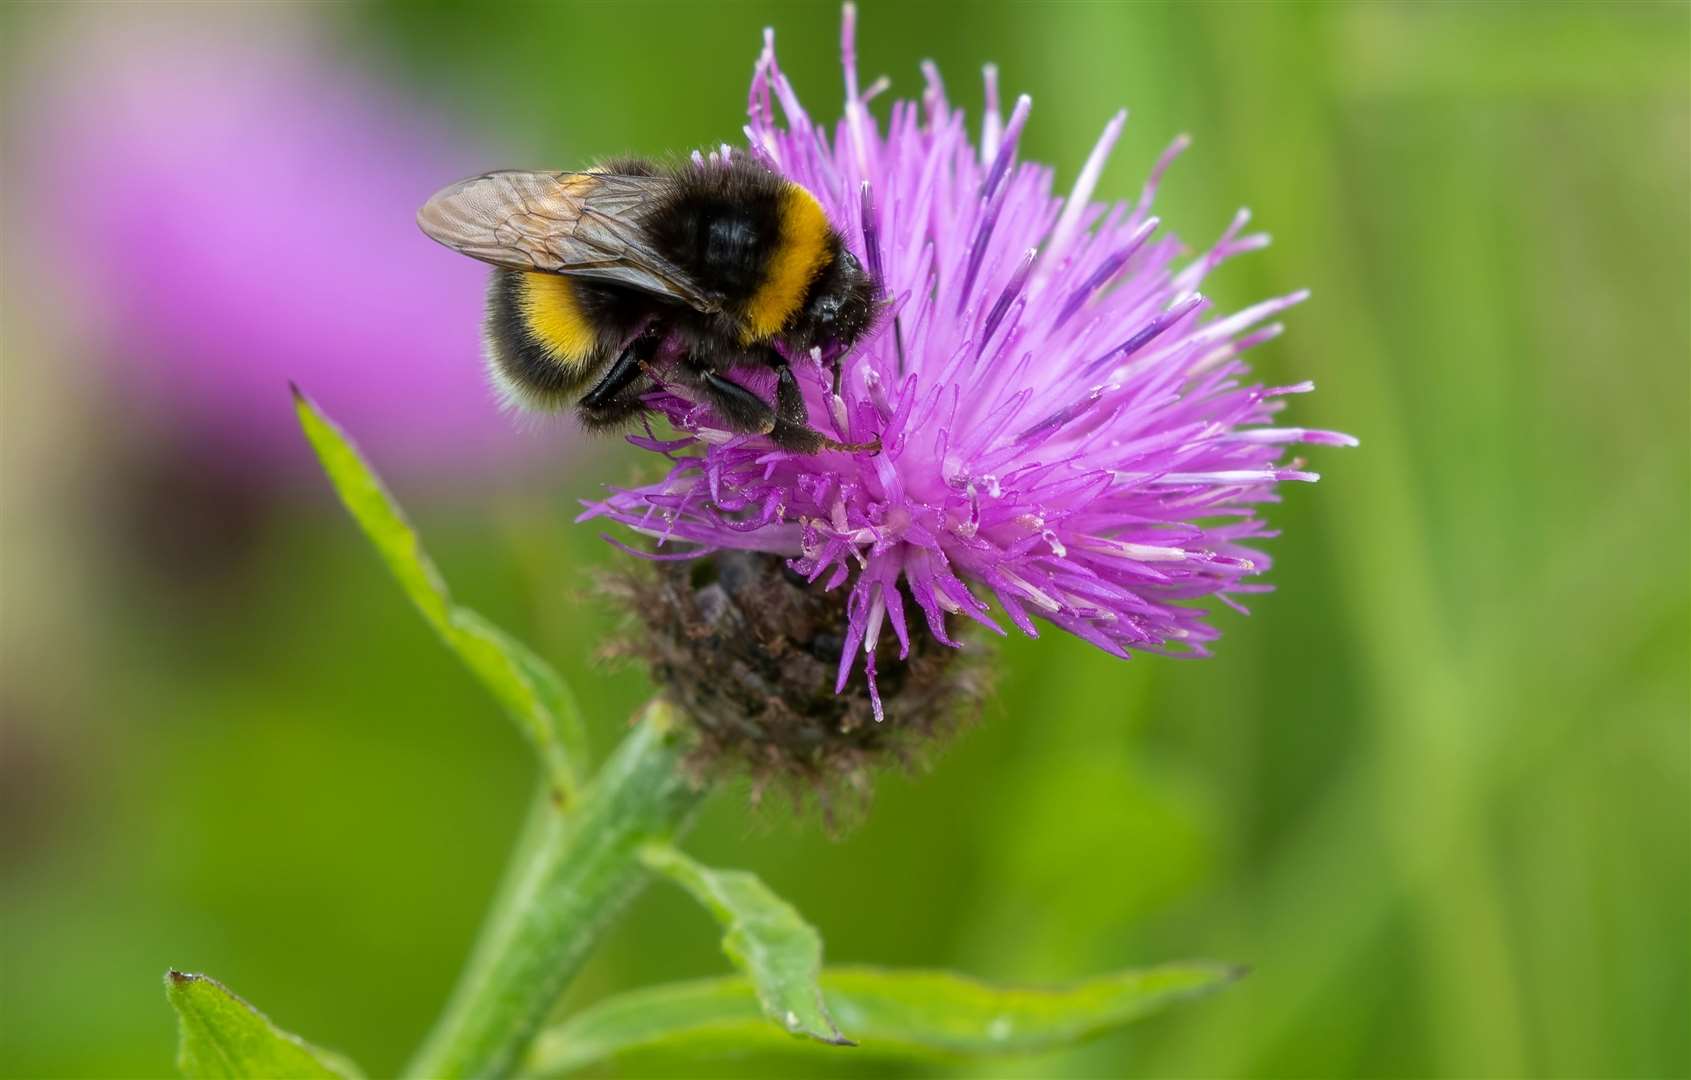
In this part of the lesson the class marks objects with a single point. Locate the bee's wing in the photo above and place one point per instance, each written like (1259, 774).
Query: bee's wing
(585, 224)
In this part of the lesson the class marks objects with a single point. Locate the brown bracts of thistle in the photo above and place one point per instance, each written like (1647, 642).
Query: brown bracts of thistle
(749, 651)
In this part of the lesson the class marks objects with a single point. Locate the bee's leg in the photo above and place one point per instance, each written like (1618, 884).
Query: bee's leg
(792, 424)
(743, 410)
(789, 402)
(628, 366)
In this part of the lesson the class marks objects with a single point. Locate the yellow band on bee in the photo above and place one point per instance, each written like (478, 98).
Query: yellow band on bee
(549, 306)
(800, 254)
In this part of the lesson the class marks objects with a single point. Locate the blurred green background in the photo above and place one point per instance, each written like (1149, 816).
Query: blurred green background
(1436, 791)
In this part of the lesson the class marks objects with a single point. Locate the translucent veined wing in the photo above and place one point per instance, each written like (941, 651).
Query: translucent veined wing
(585, 224)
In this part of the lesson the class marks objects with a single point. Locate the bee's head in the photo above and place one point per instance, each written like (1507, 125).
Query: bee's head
(841, 307)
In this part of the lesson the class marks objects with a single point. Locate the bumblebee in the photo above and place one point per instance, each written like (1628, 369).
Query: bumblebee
(612, 279)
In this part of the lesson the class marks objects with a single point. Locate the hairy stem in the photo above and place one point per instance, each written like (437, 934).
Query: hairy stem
(571, 876)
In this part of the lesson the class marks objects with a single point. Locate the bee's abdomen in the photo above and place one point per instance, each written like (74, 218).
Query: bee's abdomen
(543, 341)
(556, 319)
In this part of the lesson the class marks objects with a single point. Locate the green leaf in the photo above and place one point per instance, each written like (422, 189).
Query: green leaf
(892, 1012)
(537, 699)
(764, 936)
(223, 1036)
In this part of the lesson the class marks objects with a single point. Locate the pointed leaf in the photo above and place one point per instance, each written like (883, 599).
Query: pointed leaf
(223, 1036)
(537, 699)
(892, 1012)
(765, 937)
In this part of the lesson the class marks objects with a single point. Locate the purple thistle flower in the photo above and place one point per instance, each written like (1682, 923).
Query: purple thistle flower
(1064, 421)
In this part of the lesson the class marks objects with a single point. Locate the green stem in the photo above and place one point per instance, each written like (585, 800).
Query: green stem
(572, 875)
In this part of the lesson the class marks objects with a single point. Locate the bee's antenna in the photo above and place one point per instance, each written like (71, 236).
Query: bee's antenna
(897, 333)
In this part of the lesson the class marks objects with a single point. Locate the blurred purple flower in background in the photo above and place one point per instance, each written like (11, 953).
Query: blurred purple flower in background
(235, 212)
(1063, 418)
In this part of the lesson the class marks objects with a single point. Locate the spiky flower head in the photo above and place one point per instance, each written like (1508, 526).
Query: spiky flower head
(1067, 428)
